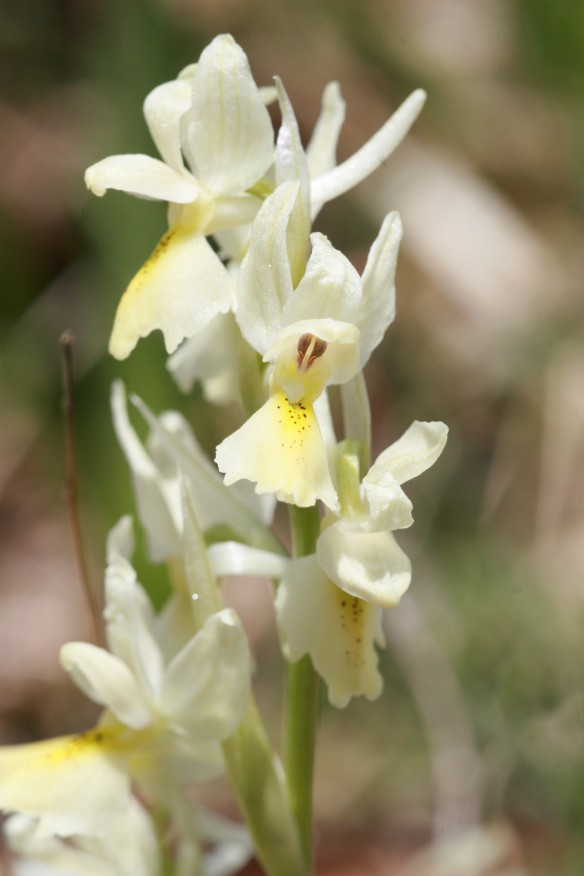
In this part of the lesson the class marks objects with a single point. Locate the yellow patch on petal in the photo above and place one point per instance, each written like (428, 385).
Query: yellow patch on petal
(353, 630)
(73, 783)
(178, 290)
(125, 333)
(281, 449)
(96, 741)
(337, 630)
(52, 753)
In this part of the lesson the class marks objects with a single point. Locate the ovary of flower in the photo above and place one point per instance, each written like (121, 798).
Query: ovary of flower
(280, 448)
(215, 116)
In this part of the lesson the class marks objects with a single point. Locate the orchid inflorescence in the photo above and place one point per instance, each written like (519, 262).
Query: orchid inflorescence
(269, 314)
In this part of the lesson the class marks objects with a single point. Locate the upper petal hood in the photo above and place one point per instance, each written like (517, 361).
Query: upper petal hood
(229, 133)
(164, 108)
(330, 287)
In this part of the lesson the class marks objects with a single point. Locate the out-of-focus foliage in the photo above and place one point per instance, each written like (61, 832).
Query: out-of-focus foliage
(483, 715)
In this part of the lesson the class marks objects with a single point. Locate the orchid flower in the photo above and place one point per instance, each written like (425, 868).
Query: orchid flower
(162, 724)
(280, 448)
(320, 332)
(215, 115)
(329, 605)
(307, 334)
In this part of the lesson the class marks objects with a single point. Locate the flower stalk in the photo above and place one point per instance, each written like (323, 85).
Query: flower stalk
(302, 704)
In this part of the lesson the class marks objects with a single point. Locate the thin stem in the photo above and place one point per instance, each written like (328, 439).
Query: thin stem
(302, 704)
(70, 491)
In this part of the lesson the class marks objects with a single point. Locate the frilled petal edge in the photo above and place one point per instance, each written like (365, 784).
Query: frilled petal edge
(280, 449)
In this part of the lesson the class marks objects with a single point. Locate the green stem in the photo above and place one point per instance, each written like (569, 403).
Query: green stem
(257, 780)
(302, 703)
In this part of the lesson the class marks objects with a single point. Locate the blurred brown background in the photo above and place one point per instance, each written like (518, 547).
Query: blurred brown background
(482, 720)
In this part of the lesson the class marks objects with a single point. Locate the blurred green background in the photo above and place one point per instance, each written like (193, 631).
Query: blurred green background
(482, 720)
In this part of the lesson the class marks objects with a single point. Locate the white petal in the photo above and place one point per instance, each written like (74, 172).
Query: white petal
(280, 449)
(232, 212)
(129, 625)
(163, 109)
(233, 847)
(230, 133)
(330, 287)
(207, 685)
(357, 412)
(265, 283)
(131, 847)
(292, 166)
(360, 165)
(106, 680)
(369, 565)
(388, 505)
(49, 856)
(156, 505)
(211, 357)
(73, 784)
(378, 309)
(268, 94)
(120, 541)
(179, 290)
(188, 72)
(417, 449)
(322, 149)
(234, 558)
(174, 625)
(143, 176)
(337, 631)
(239, 509)
(322, 409)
